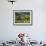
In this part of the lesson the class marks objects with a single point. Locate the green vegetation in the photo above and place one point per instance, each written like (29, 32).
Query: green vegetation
(22, 17)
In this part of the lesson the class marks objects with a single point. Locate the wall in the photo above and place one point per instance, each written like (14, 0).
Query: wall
(37, 31)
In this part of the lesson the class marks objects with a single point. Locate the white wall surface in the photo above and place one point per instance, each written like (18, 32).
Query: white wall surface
(37, 31)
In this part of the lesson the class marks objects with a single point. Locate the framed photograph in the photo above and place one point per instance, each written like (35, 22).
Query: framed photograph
(22, 17)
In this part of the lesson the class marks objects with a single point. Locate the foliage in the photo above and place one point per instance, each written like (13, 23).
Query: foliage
(22, 17)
